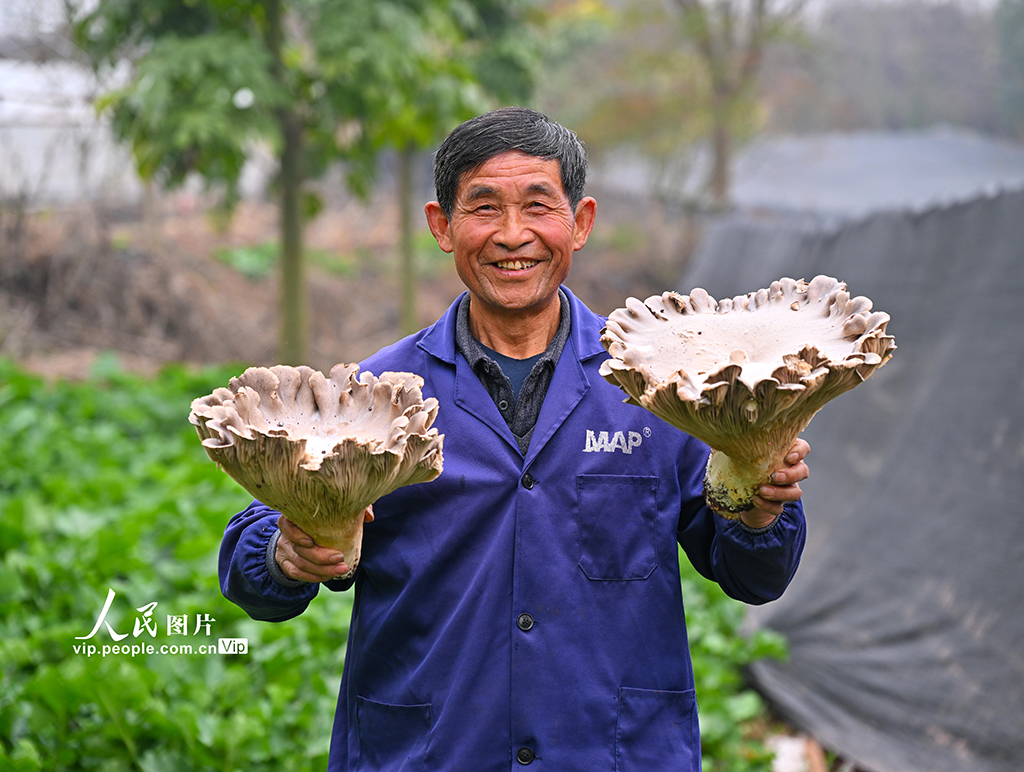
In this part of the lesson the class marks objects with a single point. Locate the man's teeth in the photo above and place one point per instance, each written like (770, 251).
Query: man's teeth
(516, 265)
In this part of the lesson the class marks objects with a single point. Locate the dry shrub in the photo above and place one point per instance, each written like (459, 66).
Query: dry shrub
(76, 282)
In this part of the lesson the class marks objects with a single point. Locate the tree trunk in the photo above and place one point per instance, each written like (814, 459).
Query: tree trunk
(292, 331)
(721, 148)
(291, 341)
(407, 271)
(150, 216)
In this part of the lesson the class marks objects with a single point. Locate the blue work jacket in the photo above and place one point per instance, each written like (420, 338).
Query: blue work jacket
(527, 611)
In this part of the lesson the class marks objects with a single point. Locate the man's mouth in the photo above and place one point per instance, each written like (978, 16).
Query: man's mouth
(516, 265)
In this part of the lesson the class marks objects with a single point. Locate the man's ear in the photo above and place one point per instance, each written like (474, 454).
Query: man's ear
(586, 215)
(439, 225)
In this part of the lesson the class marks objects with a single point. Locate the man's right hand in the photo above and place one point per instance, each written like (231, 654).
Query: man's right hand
(300, 558)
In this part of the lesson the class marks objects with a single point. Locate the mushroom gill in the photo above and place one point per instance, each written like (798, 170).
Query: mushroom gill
(321, 449)
(745, 374)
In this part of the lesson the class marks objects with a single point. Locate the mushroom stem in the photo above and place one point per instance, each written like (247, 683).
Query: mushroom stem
(344, 534)
(730, 483)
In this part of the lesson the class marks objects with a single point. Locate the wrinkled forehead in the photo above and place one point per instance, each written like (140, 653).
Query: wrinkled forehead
(513, 167)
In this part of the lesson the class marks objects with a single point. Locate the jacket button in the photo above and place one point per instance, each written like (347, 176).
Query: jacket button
(524, 622)
(525, 755)
(503, 405)
(528, 481)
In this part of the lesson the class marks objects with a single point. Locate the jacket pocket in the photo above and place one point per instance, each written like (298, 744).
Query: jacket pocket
(657, 730)
(617, 526)
(392, 737)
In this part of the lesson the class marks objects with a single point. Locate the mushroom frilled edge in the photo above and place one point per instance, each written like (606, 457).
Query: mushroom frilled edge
(321, 449)
(745, 375)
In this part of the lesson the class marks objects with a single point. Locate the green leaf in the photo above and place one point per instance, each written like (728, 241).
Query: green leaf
(744, 706)
(128, 500)
(24, 758)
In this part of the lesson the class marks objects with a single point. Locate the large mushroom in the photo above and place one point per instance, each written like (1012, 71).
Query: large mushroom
(321, 449)
(745, 374)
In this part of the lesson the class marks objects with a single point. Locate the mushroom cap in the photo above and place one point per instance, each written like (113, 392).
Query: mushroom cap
(745, 374)
(320, 449)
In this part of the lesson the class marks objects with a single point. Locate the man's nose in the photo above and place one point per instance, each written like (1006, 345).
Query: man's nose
(514, 232)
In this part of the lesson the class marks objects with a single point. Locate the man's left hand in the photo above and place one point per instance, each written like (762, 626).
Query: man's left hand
(784, 487)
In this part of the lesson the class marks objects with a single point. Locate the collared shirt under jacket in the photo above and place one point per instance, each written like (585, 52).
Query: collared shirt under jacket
(527, 610)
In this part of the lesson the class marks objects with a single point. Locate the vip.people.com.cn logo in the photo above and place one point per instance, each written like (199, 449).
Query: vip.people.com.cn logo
(185, 638)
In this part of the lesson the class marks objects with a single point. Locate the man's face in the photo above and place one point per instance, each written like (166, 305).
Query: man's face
(513, 232)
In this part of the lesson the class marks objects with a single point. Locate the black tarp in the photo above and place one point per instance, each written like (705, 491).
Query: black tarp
(905, 621)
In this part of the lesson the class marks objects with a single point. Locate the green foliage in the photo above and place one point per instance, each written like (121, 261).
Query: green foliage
(318, 81)
(197, 104)
(257, 261)
(730, 712)
(254, 261)
(355, 75)
(104, 485)
(413, 84)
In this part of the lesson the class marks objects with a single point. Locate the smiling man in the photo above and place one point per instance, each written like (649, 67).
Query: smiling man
(525, 607)
(513, 230)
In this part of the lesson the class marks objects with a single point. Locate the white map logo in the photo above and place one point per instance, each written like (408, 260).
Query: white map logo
(609, 442)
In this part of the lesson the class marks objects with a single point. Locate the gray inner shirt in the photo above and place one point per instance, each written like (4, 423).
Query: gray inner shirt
(520, 413)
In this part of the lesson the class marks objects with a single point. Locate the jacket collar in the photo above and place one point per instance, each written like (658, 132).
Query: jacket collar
(569, 383)
(584, 335)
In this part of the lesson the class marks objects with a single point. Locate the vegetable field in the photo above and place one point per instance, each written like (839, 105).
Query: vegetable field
(117, 650)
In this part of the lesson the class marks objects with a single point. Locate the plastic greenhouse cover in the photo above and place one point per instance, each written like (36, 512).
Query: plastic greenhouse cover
(905, 622)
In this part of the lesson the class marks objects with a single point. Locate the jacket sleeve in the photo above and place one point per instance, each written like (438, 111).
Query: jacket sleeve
(245, 577)
(751, 565)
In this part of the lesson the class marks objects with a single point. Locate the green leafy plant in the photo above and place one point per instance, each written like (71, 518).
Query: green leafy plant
(104, 486)
(254, 261)
(257, 261)
(730, 712)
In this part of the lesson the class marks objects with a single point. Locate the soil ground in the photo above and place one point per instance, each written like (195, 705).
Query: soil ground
(79, 282)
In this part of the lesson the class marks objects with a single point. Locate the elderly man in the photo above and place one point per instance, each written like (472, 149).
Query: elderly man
(525, 607)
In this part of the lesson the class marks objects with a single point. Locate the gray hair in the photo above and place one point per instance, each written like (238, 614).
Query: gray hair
(479, 139)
